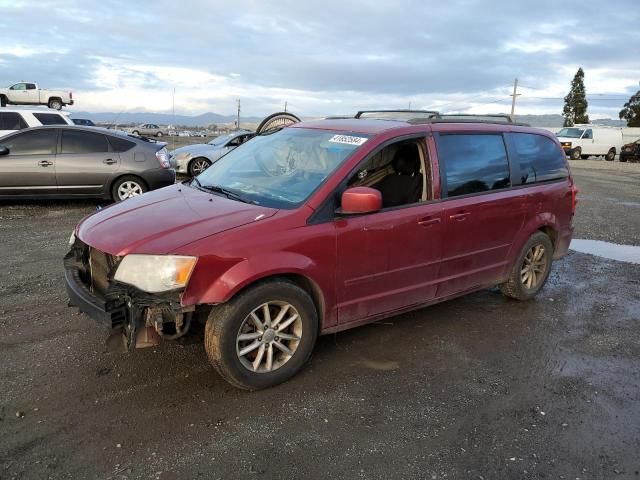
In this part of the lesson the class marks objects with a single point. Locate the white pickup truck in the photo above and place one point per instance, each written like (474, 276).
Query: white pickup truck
(28, 93)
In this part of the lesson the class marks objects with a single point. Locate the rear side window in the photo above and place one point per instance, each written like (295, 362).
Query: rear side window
(473, 163)
(35, 142)
(12, 121)
(78, 141)
(50, 119)
(120, 144)
(539, 158)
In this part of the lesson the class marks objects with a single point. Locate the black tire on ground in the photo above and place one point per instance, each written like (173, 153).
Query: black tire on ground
(132, 179)
(623, 159)
(584, 157)
(226, 320)
(575, 154)
(55, 103)
(514, 287)
(3, 101)
(159, 134)
(196, 164)
(611, 155)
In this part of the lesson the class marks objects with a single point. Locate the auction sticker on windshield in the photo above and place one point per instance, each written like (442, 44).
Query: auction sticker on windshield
(349, 140)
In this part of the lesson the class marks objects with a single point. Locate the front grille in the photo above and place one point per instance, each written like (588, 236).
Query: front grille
(100, 267)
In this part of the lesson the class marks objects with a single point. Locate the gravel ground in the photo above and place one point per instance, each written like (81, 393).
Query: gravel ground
(476, 388)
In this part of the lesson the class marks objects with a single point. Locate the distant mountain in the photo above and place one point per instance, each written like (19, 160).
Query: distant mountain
(162, 118)
(553, 121)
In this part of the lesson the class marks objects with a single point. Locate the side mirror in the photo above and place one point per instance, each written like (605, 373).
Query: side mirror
(4, 150)
(360, 200)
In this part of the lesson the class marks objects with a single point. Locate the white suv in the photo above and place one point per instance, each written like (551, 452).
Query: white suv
(14, 119)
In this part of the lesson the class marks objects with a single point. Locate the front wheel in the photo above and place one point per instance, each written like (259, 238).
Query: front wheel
(531, 269)
(159, 134)
(576, 153)
(611, 155)
(3, 102)
(262, 337)
(198, 165)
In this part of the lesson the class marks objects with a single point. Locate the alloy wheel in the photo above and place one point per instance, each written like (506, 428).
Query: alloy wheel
(534, 266)
(199, 166)
(129, 189)
(269, 336)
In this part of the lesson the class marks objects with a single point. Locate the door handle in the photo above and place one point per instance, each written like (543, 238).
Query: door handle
(45, 163)
(428, 221)
(459, 216)
(109, 161)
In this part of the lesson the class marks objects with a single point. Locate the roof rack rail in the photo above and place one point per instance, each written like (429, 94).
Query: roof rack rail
(492, 117)
(470, 118)
(397, 114)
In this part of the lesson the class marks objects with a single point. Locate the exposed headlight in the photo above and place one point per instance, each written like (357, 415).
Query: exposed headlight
(72, 238)
(183, 156)
(155, 273)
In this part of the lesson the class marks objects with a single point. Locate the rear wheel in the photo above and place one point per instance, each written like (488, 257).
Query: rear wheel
(136, 133)
(531, 269)
(575, 154)
(198, 165)
(127, 187)
(159, 134)
(3, 101)
(55, 103)
(611, 155)
(263, 336)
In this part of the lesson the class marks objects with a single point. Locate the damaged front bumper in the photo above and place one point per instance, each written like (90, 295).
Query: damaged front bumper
(142, 317)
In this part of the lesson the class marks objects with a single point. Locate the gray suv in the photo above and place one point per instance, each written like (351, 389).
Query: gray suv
(70, 162)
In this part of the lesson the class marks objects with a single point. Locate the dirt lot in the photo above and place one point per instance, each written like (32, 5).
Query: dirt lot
(476, 388)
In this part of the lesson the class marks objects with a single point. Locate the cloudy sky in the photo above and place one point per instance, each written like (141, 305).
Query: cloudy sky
(323, 57)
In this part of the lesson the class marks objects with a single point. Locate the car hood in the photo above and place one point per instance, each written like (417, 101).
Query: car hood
(161, 221)
(197, 148)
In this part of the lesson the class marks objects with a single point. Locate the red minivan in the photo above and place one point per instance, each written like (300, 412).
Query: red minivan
(324, 226)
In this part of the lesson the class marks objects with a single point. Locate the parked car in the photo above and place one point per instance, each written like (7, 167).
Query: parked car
(12, 120)
(83, 122)
(630, 152)
(323, 226)
(583, 141)
(195, 159)
(148, 130)
(29, 93)
(72, 161)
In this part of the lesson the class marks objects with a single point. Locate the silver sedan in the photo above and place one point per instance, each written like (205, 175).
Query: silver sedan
(195, 159)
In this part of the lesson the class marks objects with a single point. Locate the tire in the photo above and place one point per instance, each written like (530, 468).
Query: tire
(227, 322)
(136, 133)
(276, 120)
(55, 103)
(575, 154)
(611, 155)
(584, 157)
(515, 286)
(623, 159)
(198, 165)
(159, 134)
(3, 101)
(133, 184)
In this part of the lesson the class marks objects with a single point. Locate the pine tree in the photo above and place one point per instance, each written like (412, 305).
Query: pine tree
(575, 103)
(631, 111)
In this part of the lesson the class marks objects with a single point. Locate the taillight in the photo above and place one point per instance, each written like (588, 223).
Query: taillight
(574, 199)
(163, 157)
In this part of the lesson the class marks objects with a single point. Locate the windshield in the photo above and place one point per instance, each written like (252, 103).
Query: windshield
(222, 139)
(282, 169)
(570, 132)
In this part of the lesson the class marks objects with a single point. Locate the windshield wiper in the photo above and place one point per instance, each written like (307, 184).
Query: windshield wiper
(195, 179)
(229, 193)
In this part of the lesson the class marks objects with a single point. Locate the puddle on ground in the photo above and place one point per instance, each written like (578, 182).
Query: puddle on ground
(612, 251)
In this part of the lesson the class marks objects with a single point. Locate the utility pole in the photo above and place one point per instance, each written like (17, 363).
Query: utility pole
(514, 95)
(238, 120)
(174, 115)
(285, 106)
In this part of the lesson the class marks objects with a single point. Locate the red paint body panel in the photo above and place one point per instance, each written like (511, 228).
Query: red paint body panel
(361, 267)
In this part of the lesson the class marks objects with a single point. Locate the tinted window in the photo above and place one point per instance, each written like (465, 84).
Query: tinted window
(473, 163)
(83, 142)
(31, 86)
(120, 144)
(539, 157)
(36, 142)
(50, 118)
(12, 121)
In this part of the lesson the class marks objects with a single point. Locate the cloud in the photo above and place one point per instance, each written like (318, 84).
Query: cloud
(322, 57)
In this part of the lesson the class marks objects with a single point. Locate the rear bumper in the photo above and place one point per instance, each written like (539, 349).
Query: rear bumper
(160, 177)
